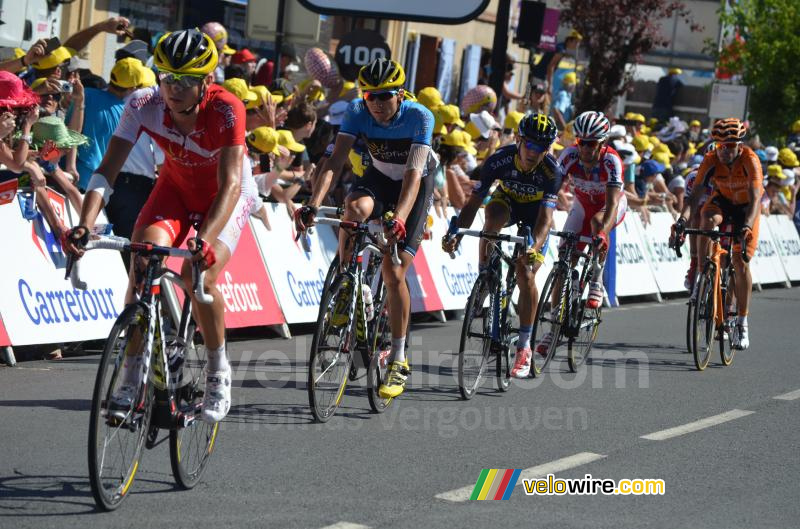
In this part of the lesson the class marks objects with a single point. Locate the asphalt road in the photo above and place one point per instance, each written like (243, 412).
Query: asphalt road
(631, 413)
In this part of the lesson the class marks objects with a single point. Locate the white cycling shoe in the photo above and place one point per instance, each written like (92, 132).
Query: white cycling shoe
(217, 397)
(741, 338)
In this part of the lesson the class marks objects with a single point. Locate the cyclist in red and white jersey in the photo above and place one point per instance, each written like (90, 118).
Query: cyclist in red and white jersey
(594, 169)
(201, 129)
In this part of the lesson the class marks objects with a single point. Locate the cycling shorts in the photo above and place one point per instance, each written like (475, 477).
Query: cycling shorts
(167, 209)
(385, 192)
(735, 214)
(580, 216)
(525, 213)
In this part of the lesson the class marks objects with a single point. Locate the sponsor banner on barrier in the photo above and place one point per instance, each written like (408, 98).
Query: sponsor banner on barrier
(38, 305)
(452, 278)
(634, 269)
(297, 276)
(4, 339)
(247, 293)
(787, 241)
(668, 269)
(766, 266)
(421, 287)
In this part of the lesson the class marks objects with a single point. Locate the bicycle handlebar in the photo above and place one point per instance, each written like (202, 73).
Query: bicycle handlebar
(711, 234)
(453, 231)
(363, 226)
(120, 244)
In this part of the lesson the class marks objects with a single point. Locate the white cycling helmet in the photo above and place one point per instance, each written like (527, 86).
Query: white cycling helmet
(591, 126)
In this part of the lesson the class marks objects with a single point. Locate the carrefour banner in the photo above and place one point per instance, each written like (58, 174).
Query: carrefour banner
(297, 275)
(37, 304)
(453, 278)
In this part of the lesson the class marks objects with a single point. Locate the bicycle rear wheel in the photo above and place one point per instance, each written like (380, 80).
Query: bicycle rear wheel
(703, 327)
(116, 436)
(191, 443)
(476, 341)
(329, 362)
(547, 320)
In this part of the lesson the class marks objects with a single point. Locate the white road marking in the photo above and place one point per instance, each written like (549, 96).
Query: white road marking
(565, 463)
(792, 395)
(690, 427)
(346, 525)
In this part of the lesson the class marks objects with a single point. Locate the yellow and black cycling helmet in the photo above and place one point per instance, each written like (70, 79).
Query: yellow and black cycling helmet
(539, 128)
(381, 74)
(186, 52)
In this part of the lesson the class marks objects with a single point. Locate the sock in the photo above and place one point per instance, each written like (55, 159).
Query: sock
(741, 320)
(399, 349)
(524, 336)
(217, 359)
(132, 370)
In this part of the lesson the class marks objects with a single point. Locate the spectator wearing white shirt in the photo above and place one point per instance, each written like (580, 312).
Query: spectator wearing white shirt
(136, 179)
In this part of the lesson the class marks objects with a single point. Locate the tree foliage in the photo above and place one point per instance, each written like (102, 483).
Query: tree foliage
(616, 33)
(767, 56)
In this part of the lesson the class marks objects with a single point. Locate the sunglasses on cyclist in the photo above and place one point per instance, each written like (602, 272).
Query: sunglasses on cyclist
(588, 143)
(182, 81)
(729, 145)
(534, 146)
(380, 96)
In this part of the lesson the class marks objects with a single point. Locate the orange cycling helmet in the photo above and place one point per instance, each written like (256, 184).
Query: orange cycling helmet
(727, 130)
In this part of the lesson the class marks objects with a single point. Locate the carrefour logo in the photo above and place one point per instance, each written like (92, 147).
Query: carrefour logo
(459, 283)
(56, 306)
(306, 292)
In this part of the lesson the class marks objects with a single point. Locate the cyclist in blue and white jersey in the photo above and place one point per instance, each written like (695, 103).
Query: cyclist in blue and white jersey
(397, 134)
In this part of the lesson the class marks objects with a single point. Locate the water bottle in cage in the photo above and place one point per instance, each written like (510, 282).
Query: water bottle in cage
(366, 295)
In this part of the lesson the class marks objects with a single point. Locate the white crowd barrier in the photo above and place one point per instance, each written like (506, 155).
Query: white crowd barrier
(271, 280)
(37, 304)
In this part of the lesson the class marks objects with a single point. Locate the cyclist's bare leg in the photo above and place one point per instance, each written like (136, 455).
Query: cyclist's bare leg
(210, 317)
(397, 295)
(497, 216)
(528, 293)
(743, 284)
(358, 207)
(708, 221)
(155, 235)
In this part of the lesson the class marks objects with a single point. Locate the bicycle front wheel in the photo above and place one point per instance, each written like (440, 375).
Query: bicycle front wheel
(476, 340)
(578, 348)
(192, 441)
(117, 434)
(329, 362)
(380, 349)
(703, 327)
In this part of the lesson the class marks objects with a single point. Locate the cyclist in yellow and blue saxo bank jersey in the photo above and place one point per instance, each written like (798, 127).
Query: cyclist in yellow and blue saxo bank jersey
(529, 179)
(397, 133)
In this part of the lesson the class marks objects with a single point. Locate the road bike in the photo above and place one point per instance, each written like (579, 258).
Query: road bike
(348, 324)
(710, 315)
(487, 334)
(571, 321)
(172, 380)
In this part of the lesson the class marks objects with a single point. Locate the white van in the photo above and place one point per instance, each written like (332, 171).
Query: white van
(26, 21)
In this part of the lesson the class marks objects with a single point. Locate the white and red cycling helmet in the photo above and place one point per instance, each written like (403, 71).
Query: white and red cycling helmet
(592, 126)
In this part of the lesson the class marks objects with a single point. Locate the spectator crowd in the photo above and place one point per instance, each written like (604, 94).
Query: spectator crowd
(56, 119)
